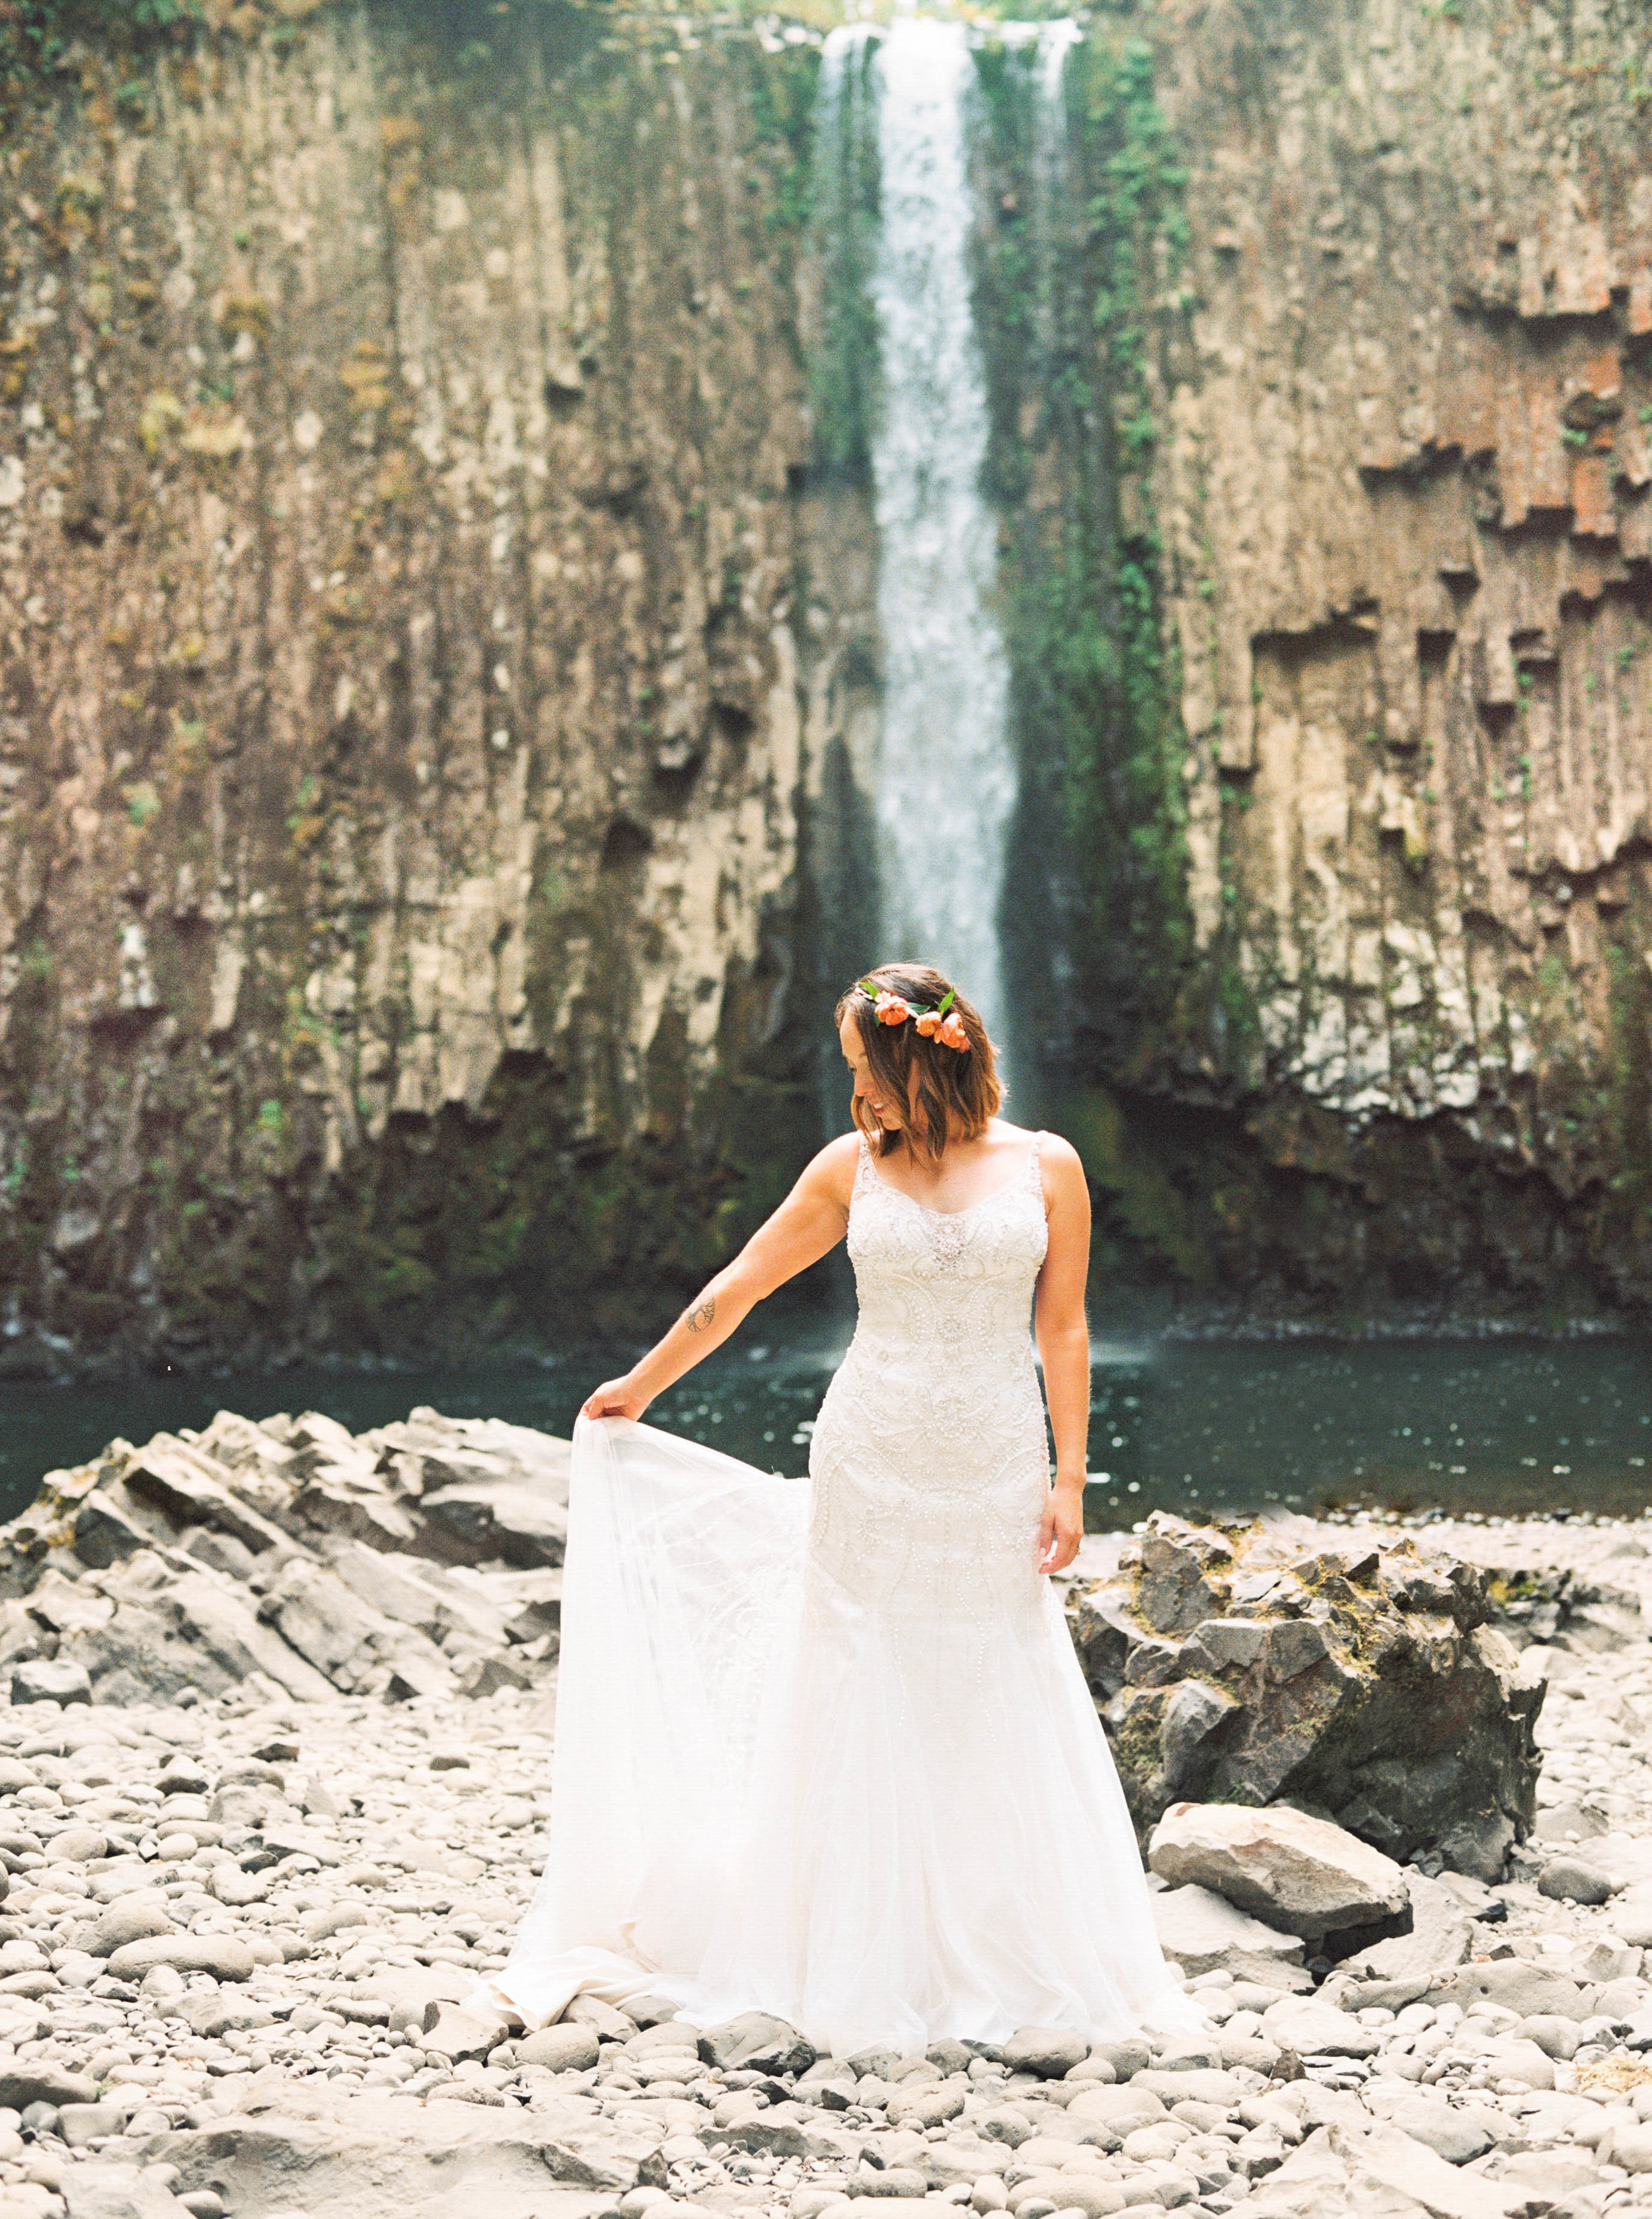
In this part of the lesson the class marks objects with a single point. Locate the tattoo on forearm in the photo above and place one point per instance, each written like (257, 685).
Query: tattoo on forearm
(698, 1319)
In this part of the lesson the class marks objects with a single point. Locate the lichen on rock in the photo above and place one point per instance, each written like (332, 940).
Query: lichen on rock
(1249, 1663)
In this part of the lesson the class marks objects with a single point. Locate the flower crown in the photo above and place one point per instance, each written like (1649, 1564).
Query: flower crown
(940, 1023)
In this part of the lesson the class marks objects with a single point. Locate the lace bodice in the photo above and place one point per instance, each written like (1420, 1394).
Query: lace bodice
(929, 1463)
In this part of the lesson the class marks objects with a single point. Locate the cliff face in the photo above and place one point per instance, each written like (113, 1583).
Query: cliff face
(1401, 379)
(400, 723)
(439, 682)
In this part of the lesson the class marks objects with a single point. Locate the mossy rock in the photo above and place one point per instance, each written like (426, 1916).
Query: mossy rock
(1251, 1663)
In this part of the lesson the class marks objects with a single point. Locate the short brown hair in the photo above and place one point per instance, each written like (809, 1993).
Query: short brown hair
(958, 1092)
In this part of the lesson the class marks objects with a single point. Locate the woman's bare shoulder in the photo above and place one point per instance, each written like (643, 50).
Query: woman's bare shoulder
(831, 1170)
(1057, 1154)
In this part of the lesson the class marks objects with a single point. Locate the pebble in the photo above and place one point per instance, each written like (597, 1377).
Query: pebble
(224, 1901)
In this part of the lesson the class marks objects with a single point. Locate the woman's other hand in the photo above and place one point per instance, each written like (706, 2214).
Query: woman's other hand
(1062, 1527)
(615, 1398)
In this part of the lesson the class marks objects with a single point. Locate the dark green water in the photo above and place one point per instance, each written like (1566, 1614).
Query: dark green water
(1501, 1425)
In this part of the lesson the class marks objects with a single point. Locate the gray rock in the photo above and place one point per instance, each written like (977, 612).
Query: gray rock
(51, 1680)
(1048, 2051)
(1556, 2037)
(1191, 1732)
(893, 2180)
(222, 1954)
(1314, 2028)
(1298, 1874)
(1121, 2108)
(208, 1614)
(1127, 2057)
(1367, 1683)
(315, 2150)
(1572, 1880)
(129, 1918)
(1450, 2133)
(928, 2104)
(1528, 1991)
(1221, 1644)
(194, 1489)
(562, 2048)
(459, 2033)
(81, 2123)
(21, 2084)
(1203, 1933)
(486, 1675)
(105, 1534)
(1441, 1935)
(487, 1519)
(215, 2012)
(338, 1632)
(758, 2043)
(99, 2190)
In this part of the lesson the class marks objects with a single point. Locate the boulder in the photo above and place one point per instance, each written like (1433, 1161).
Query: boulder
(563, 2048)
(314, 2152)
(1051, 2052)
(97, 2190)
(222, 1954)
(1574, 1880)
(1313, 2028)
(51, 1680)
(1204, 1933)
(21, 2084)
(1441, 1935)
(496, 1517)
(1301, 1875)
(1250, 1663)
(756, 2043)
(1343, 2171)
(312, 1563)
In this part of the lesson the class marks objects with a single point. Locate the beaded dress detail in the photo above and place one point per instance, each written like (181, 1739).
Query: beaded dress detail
(823, 1748)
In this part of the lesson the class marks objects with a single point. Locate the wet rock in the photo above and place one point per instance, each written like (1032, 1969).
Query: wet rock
(1254, 1664)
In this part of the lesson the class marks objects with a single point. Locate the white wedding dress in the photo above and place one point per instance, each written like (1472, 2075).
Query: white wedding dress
(823, 1748)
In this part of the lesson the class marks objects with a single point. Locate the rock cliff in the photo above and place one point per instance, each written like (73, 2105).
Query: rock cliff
(1386, 448)
(439, 687)
(400, 721)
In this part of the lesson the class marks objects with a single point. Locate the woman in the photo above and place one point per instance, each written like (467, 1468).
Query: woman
(824, 1750)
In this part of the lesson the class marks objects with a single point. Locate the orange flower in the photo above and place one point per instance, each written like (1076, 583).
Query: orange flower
(891, 1010)
(929, 1023)
(952, 1031)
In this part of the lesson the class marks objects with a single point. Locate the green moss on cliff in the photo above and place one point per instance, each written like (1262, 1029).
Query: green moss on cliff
(1086, 214)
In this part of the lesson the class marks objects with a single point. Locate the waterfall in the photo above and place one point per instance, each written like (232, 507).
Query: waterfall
(946, 776)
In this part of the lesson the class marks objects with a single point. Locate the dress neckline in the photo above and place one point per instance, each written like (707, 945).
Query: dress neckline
(1029, 1163)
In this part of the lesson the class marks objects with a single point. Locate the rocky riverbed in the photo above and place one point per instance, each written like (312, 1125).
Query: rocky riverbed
(246, 1923)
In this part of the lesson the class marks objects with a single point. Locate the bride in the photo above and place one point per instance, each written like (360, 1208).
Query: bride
(823, 1748)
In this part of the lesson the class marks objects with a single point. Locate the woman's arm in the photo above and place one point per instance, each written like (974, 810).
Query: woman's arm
(811, 1220)
(1064, 1345)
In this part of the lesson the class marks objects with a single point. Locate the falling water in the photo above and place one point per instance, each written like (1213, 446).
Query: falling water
(946, 777)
